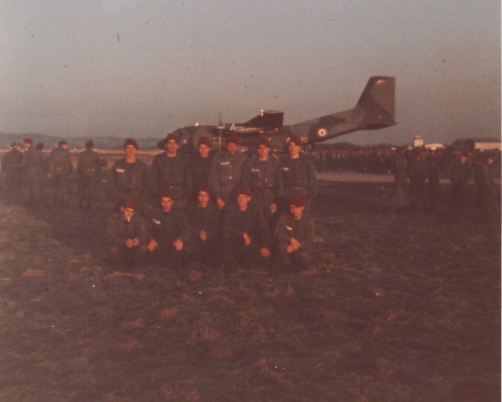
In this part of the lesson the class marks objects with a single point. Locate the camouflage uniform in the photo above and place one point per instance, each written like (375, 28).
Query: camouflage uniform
(302, 230)
(88, 171)
(235, 224)
(118, 230)
(11, 169)
(60, 170)
(299, 178)
(34, 171)
(165, 228)
(203, 219)
(172, 174)
(130, 181)
(225, 174)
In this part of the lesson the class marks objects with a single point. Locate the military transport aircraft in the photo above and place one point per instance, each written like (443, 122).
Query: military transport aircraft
(374, 109)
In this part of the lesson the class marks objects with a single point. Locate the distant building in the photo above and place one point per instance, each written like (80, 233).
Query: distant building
(417, 142)
(434, 146)
(477, 144)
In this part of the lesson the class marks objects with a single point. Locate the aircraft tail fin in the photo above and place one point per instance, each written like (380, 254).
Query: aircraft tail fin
(377, 103)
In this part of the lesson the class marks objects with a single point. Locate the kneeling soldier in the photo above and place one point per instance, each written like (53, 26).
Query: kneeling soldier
(244, 231)
(294, 236)
(203, 218)
(126, 236)
(169, 233)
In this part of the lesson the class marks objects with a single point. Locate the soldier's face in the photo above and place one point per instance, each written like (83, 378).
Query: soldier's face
(172, 146)
(130, 151)
(463, 159)
(204, 150)
(27, 145)
(166, 204)
(128, 213)
(294, 149)
(232, 148)
(490, 161)
(297, 212)
(203, 198)
(64, 146)
(243, 200)
(263, 151)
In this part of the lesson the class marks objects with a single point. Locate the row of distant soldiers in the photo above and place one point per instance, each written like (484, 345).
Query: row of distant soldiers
(420, 171)
(27, 171)
(251, 195)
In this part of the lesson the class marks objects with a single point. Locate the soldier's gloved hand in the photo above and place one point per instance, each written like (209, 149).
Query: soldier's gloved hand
(220, 203)
(203, 235)
(265, 252)
(152, 245)
(178, 244)
(273, 208)
(247, 239)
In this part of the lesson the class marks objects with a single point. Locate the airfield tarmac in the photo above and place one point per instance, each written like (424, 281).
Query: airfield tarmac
(397, 307)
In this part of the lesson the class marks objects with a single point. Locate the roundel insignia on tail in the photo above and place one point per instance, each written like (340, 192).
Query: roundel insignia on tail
(322, 132)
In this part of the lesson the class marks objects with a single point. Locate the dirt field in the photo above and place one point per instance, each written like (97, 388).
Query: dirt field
(396, 308)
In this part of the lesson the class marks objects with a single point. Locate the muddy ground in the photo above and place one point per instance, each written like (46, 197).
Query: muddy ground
(397, 307)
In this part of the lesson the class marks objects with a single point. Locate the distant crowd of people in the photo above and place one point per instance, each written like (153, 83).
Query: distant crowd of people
(212, 208)
(380, 159)
(418, 173)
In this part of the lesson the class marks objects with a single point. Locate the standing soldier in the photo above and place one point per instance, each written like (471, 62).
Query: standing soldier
(34, 168)
(129, 176)
(126, 236)
(200, 164)
(60, 170)
(433, 181)
(11, 170)
(170, 171)
(169, 234)
(245, 233)
(298, 173)
(459, 178)
(400, 170)
(262, 174)
(294, 236)
(484, 177)
(225, 174)
(418, 176)
(89, 171)
(203, 218)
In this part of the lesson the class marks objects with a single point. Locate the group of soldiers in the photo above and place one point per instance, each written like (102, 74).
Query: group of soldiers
(421, 172)
(223, 208)
(27, 170)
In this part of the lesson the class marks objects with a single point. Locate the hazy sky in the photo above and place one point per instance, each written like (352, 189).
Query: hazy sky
(143, 68)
